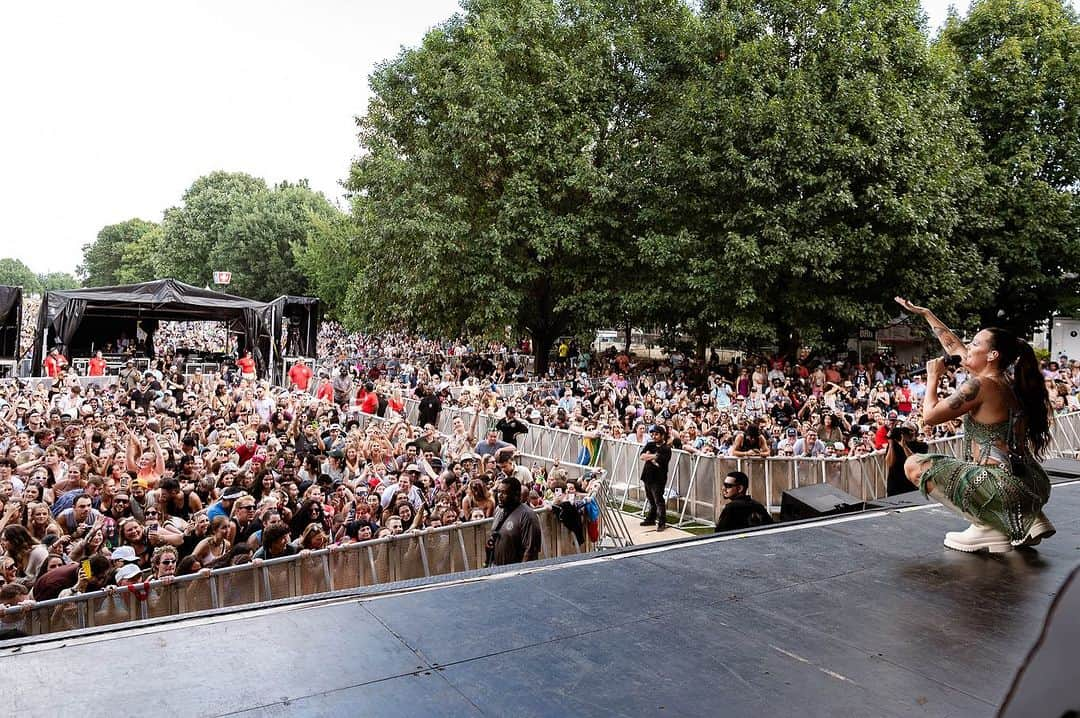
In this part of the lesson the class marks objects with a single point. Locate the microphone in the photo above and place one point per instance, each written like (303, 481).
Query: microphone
(951, 360)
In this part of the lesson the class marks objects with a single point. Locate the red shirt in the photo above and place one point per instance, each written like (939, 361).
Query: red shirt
(97, 367)
(246, 364)
(325, 392)
(53, 364)
(369, 404)
(300, 375)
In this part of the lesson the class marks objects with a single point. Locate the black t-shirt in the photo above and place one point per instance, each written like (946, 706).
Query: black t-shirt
(742, 512)
(896, 481)
(510, 428)
(656, 471)
(429, 409)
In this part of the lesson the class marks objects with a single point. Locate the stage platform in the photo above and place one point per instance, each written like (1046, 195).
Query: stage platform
(858, 615)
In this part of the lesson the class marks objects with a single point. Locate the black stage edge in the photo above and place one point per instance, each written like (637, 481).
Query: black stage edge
(860, 615)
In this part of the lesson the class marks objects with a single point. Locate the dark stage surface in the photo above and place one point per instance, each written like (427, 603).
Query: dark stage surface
(862, 615)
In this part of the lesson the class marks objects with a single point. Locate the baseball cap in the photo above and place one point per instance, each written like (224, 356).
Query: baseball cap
(127, 571)
(124, 553)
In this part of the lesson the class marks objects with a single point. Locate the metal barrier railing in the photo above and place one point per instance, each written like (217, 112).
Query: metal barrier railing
(413, 555)
(613, 530)
(694, 478)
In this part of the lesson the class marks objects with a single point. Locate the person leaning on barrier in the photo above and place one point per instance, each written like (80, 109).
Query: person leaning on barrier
(741, 511)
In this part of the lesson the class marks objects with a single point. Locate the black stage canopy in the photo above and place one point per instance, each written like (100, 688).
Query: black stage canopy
(10, 321)
(79, 320)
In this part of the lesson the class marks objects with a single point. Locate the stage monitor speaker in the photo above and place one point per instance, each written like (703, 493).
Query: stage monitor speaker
(808, 502)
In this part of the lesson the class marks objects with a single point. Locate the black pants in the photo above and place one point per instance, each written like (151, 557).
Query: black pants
(654, 491)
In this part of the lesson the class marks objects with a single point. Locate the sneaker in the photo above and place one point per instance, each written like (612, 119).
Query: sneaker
(978, 538)
(660, 527)
(1041, 529)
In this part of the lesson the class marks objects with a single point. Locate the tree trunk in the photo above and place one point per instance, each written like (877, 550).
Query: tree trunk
(628, 330)
(788, 342)
(702, 347)
(542, 344)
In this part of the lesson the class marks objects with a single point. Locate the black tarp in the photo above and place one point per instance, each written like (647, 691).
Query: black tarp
(296, 324)
(65, 314)
(10, 321)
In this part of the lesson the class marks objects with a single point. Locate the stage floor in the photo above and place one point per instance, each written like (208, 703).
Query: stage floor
(862, 615)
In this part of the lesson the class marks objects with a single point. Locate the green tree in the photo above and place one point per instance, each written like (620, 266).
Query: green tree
(490, 188)
(1019, 76)
(328, 259)
(258, 242)
(193, 230)
(58, 280)
(141, 259)
(14, 273)
(104, 257)
(810, 171)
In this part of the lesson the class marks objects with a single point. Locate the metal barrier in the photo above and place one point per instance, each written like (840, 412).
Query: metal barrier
(694, 479)
(413, 555)
(613, 531)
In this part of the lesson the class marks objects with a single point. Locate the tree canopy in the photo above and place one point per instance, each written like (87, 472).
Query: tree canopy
(226, 222)
(109, 256)
(1018, 80)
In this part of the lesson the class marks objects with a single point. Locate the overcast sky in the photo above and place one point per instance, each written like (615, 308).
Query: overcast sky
(115, 108)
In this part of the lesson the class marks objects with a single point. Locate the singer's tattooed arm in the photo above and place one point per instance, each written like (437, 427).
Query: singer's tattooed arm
(967, 392)
(949, 341)
(964, 400)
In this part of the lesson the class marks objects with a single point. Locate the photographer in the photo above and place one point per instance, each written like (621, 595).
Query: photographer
(902, 444)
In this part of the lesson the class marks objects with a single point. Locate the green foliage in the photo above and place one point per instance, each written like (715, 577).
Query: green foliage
(257, 243)
(104, 258)
(140, 260)
(328, 259)
(809, 172)
(14, 273)
(58, 280)
(1018, 74)
(228, 222)
(493, 159)
(195, 230)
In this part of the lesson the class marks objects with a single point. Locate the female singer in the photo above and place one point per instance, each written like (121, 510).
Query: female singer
(999, 485)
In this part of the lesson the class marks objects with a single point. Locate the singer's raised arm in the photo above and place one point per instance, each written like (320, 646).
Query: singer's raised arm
(949, 341)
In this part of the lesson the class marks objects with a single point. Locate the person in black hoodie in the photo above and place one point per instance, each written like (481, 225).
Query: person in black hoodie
(741, 511)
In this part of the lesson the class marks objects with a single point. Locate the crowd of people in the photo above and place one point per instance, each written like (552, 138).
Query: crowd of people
(165, 474)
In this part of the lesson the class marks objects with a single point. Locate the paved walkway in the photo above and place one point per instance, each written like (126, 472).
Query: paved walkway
(647, 534)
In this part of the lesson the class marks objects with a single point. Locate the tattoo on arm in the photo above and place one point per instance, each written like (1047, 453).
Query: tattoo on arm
(968, 391)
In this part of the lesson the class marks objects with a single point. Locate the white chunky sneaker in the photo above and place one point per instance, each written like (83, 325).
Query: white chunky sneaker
(1041, 529)
(978, 538)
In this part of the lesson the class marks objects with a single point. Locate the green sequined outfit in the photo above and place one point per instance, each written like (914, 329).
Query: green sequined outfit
(991, 493)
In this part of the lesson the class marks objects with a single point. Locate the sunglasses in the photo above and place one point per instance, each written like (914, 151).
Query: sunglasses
(168, 562)
(729, 486)
(151, 513)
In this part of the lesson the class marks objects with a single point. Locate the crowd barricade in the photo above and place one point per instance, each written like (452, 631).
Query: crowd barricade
(694, 479)
(413, 555)
(612, 529)
(1065, 433)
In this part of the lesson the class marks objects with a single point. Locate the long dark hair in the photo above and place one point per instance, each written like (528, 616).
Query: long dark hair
(1029, 385)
